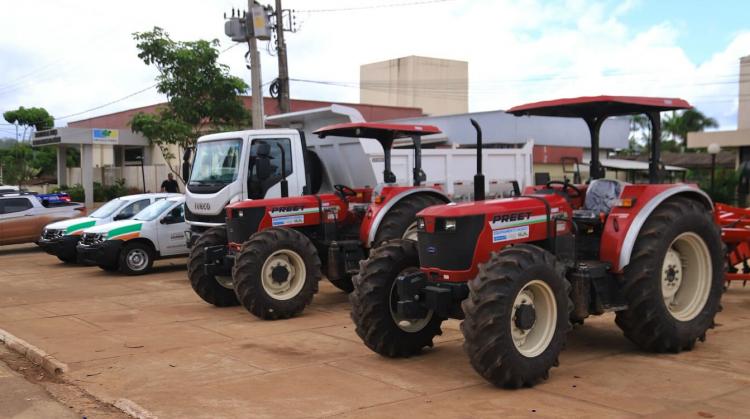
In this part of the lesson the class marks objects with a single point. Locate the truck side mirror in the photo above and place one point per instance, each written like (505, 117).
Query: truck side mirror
(121, 216)
(167, 219)
(186, 164)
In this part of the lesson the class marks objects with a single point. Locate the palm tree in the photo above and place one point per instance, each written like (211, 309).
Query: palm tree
(691, 120)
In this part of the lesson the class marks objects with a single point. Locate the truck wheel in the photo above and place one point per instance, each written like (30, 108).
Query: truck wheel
(675, 278)
(136, 258)
(208, 287)
(276, 273)
(374, 303)
(516, 316)
(400, 221)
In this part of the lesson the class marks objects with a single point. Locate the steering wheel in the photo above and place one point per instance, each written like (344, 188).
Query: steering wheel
(344, 191)
(566, 185)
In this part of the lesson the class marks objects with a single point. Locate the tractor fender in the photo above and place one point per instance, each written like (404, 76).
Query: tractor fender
(643, 215)
(395, 200)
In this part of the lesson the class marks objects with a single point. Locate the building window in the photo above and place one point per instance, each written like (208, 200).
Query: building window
(133, 155)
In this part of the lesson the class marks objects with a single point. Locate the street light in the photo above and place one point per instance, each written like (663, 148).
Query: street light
(713, 150)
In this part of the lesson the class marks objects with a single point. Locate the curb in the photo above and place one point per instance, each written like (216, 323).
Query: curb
(37, 356)
(131, 408)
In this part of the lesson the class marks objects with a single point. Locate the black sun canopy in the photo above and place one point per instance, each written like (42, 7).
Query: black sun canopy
(595, 109)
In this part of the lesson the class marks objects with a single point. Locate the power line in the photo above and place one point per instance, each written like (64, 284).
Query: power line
(377, 6)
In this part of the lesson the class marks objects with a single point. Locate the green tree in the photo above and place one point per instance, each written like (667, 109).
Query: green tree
(202, 96)
(37, 118)
(18, 164)
(678, 125)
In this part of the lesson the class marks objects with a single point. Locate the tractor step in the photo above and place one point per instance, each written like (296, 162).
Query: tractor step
(594, 289)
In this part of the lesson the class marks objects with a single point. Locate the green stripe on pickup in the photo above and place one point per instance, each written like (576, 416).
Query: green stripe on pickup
(123, 230)
(79, 226)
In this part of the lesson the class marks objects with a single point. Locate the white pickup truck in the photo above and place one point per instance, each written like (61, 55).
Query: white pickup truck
(60, 238)
(131, 246)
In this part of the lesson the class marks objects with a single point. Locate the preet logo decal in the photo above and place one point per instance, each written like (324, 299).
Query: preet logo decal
(514, 219)
(202, 206)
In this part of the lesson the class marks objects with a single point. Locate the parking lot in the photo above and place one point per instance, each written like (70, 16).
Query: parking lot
(150, 340)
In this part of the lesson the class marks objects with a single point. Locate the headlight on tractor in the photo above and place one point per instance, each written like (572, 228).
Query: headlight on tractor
(420, 224)
(447, 225)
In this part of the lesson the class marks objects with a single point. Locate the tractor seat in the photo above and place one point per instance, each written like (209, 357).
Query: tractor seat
(600, 196)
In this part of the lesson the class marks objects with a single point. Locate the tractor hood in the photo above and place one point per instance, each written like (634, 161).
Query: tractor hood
(74, 226)
(517, 208)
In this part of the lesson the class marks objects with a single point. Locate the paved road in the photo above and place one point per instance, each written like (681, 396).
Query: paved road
(152, 341)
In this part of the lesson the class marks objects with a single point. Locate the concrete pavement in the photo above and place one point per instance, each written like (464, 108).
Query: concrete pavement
(152, 341)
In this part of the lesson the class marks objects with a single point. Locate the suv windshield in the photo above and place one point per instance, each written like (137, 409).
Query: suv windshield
(107, 209)
(154, 210)
(216, 162)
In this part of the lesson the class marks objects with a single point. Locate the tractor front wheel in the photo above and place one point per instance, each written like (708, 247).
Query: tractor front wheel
(213, 290)
(516, 317)
(374, 301)
(674, 281)
(276, 273)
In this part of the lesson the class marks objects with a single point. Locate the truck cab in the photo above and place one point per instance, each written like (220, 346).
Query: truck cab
(227, 168)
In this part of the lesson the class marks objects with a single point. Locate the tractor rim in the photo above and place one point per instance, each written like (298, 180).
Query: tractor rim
(283, 274)
(686, 276)
(407, 325)
(225, 281)
(533, 318)
(137, 259)
(411, 232)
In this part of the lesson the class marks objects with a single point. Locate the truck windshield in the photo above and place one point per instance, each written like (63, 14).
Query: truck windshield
(107, 209)
(216, 163)
(154, 210)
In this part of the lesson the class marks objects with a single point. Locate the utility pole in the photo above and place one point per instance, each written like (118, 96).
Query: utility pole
(255, 84)
(283, 67)
(255, 74)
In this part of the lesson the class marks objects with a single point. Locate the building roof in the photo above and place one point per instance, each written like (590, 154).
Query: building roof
(271, 107)
(604, 105)
(726, 159)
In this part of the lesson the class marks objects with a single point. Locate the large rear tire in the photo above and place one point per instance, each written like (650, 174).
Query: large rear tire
(400, 221)
(674, 280)
(517, 316)
(374, 303)
(276, 273)
(207, 286)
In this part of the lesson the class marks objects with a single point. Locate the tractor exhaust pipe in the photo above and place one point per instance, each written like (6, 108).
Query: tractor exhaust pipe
(479, 176)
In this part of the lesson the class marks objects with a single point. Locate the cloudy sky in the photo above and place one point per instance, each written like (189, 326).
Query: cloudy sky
(72, 56)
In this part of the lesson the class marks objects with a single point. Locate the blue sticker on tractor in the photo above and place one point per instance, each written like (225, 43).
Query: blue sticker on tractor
(507, 234)
(290, 220)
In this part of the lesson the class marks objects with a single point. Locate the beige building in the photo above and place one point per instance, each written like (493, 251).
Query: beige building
(438, 86)
(739, 137)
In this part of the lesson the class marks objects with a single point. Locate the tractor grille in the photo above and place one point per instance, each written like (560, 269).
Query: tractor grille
(451, 251)
(244, 223)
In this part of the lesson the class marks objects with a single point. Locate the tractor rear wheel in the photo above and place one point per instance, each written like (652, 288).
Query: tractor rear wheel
(401, 221)
(517, 316)
(675, 278)
(374, 302)
(276, 273)
(209, 287)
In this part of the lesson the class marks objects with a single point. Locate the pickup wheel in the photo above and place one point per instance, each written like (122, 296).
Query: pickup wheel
(374, 301)
(516, 316)
(136, 258)
(207, 286)
(276, 273)
(675, 278)
(400, 221)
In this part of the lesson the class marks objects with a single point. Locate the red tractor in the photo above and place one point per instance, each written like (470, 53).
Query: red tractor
(519, 271)
(270, 256)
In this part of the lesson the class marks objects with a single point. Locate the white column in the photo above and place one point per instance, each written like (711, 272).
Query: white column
(62, 168)
(87, 158)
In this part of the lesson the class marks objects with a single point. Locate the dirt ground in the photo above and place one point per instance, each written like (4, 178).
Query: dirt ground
(152, 342)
